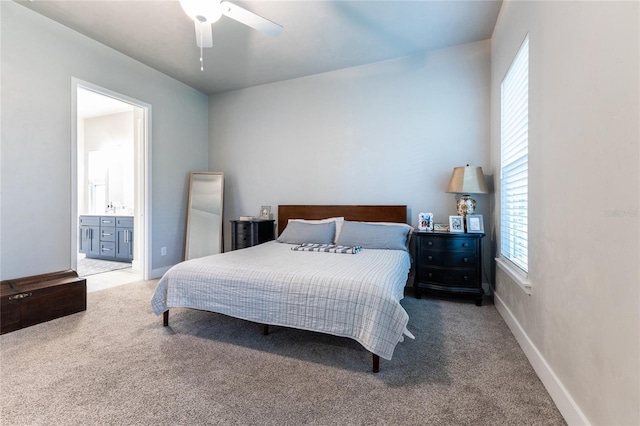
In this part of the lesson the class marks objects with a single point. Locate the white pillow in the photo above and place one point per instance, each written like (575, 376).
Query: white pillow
(338, 220)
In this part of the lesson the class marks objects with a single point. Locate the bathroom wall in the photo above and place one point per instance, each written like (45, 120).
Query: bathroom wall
(112, 138)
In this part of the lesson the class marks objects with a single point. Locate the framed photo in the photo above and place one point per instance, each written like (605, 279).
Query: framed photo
(265, 212)
(425, 221)
(441, 227)
(456, 224)
(475, 224)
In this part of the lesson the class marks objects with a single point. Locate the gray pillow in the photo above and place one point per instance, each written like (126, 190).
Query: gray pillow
(304, 232)
(370, 235)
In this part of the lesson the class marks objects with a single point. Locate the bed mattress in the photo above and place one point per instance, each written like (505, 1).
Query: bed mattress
(350, 295)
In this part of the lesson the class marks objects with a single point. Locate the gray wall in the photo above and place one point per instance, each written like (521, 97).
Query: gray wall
(580, 325)
(385, 133)
(39, 59)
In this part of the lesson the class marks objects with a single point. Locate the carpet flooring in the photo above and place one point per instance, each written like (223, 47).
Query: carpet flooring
(115, 364)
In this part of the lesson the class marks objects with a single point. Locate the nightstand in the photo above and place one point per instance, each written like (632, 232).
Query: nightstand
(247, 233)
(449, 263)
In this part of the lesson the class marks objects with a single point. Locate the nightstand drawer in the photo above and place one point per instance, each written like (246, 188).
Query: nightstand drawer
(449, 277)
(439, 243)
(250, 233)
(448, 259)
(243, 240)
(243, 228)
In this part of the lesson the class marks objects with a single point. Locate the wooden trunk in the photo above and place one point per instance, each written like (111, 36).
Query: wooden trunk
(32, 300)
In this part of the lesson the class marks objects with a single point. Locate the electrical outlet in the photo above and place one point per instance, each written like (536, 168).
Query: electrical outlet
(163, 251)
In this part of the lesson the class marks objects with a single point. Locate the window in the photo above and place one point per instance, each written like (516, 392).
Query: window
(514, 134)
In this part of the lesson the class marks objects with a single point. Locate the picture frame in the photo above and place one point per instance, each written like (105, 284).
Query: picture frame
(425, 221)
(456, 224)
(475, 224)
(441, 227)
(265, 213)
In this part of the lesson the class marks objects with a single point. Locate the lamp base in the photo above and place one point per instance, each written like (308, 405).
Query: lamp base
(466, 205)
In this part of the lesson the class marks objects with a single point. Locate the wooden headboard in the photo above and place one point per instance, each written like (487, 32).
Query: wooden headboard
(360, 213)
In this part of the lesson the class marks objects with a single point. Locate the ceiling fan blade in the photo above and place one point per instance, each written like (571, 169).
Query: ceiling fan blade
(250, 19)
(204, 37)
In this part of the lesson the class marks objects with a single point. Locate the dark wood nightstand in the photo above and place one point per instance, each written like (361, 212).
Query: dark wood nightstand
(449, 263)
(247, 233)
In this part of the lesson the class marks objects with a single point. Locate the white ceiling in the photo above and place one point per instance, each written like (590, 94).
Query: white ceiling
(318, 36)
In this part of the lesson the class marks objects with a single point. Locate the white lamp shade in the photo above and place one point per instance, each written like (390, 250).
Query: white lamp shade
(467, 180)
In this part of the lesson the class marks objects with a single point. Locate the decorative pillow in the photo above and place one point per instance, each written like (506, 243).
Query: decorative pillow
(338, 220)
(372, 235)
(303, 232)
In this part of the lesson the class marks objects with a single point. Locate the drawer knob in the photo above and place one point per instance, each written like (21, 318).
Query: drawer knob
(429, 243)
(430, 275)
(466, 278)
(465, 260)
(430, 257)
(465, 244)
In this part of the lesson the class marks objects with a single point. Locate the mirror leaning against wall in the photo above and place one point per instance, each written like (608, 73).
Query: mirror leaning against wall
(204, 215)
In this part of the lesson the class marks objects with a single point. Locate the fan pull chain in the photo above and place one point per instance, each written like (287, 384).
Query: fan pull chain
(201, 55)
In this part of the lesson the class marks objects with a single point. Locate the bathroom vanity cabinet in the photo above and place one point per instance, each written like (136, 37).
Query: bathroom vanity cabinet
(106, 237)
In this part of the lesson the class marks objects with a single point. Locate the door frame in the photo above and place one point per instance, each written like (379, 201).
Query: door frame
(143, 203)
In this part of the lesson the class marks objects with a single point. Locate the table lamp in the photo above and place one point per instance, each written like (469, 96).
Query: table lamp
(467, 180)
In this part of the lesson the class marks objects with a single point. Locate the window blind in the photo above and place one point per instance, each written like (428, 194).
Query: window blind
(514, 178)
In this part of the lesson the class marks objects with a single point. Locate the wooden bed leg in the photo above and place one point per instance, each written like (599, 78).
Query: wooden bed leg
(376, 363)
(265, 329)
(165, 318)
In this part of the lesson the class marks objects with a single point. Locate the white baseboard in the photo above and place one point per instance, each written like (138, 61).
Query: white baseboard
(563, 400)
(159, 272)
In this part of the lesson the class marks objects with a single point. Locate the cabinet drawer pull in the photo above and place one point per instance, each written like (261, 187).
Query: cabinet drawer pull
(430, 257)
(465, 244)
(20, 296)
(465, 260)
(430, 275)
(106, 249)
(466, 278)
(429, 243)
(105, 234)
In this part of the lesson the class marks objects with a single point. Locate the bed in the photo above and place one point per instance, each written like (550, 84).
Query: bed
(350, 290)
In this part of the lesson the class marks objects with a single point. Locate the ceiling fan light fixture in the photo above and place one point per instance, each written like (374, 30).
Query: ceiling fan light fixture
(204, 11)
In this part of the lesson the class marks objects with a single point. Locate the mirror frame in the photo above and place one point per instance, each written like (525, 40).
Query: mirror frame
(189, 214)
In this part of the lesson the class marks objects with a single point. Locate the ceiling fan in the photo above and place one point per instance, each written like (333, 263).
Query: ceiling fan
(206, 12)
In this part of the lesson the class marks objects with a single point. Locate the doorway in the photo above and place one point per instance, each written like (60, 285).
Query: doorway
(110, 188)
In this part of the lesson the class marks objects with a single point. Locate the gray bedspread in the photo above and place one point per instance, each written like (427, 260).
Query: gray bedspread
(350, 296)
